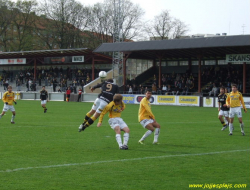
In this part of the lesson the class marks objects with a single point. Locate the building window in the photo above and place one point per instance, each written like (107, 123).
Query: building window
(183, 63)
(222, 62)
(172, 63)
(195, 62)
(210, 62)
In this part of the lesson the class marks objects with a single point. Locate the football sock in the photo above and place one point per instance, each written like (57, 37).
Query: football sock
(242, 127)
(230, 127)
(44, 108)
(157, 132)
(12, 118)
(90, 121)
(125, 138)
(118, 139)
(223, 123)
(87, 116)
(149, 132)
(1, 116)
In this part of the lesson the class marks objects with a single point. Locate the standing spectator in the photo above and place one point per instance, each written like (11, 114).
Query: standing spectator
(46, 81)
(1, 80)
(82, 84)
(54, 83)
(16, 78)
(29, 84)
(68, 94)
(79, 94)
(19, 85)
(155, 80)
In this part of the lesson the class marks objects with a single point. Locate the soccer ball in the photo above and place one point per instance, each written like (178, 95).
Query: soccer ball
(102, 74)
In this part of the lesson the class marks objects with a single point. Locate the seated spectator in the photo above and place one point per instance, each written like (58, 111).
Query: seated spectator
(164, 89)
(130, 91)
(169, 90)
(59, 90)
(159, 90)
(214, 90)
(154, 89)
(141, 90)
(185, 90)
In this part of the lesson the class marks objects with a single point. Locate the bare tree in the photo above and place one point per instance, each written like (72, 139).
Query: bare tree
(6, 18)
(165, 27)
(23, 32)
(102, 16)
(62, 20)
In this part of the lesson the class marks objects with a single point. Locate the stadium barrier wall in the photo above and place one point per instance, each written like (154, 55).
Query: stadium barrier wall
(163, 100)
(53, 96)
(178, 100)
(0, 95)
(132, 99)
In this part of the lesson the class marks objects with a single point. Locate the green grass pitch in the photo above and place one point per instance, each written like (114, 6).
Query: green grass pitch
(46, 151)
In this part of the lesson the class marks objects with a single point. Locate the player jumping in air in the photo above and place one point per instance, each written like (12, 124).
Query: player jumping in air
(116, 122)
(109, 89)
(234, 102)
(44, 98)
(223, 109)
(9, 99)
(147, 119)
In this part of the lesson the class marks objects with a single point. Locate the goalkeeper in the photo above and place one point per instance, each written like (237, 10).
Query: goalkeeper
(9, 99)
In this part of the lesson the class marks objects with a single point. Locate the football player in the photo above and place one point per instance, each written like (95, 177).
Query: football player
(9, 99)
(147, 119)
(222, 108)
(109, 89)
(234, 102)
(44, 98)
(116, 122)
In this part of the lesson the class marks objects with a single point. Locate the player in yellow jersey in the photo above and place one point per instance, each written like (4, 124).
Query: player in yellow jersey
(9, 99)
(147, 119)
(234, 102)
(116, 122)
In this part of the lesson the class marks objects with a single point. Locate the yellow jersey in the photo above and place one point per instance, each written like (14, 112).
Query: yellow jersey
(145, 110)
(235, 100)
(9, 97)
(114, 110)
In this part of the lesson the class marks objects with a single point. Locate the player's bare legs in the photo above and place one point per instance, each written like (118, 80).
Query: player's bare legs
(2, 114)
(125, 137)
(13, 117)
(223, 122)
(241, 126)
(157, 131)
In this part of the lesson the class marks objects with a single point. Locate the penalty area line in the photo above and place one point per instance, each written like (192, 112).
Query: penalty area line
(121, 160)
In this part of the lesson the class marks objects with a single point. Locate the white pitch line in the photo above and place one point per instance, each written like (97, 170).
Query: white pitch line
(14, 126)
(121, 160)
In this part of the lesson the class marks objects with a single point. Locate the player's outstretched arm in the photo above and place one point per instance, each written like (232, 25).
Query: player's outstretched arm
(242, 103)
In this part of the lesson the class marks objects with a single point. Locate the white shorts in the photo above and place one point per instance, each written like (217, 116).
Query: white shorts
(117, 121)
(8, 107)
(43, 102)
(145, 122)
(235, 111)
(99, 105)
(224, 113)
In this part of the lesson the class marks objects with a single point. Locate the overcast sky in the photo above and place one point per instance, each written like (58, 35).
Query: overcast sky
(202, 16)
